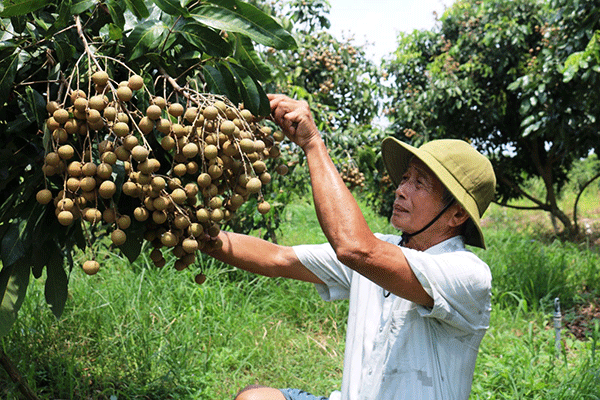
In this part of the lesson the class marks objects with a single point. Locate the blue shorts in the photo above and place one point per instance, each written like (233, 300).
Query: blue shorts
(297, 394)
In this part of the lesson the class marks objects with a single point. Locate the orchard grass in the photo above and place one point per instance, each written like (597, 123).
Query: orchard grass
(135, 331)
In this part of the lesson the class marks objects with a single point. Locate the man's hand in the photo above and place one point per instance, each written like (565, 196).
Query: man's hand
(295, 119)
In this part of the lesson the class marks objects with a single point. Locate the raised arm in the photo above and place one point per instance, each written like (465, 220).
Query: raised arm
(261, 257)
(339, 215)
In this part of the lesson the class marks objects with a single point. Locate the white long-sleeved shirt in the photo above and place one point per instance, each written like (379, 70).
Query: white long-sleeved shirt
(396, 349)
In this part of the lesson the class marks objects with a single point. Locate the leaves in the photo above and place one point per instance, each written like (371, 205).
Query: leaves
(239, 17)
(172, 7)
(204, 39)
(145, 37)
(14, 280)
(21, 7)
(8, 71)
(57, 282)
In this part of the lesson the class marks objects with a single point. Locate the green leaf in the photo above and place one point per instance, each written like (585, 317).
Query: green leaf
(56, 289)
(133, 244)
(12, 247)
(239, 17)
(254, 97)
(7, 77)
(205, 39)
(117, 13)
(138, 8)
(247, 56)
(144, 37)
(14, 280)
(220, 80)
(21, 7)
(172, 7)
(37, 105)
(79, 6)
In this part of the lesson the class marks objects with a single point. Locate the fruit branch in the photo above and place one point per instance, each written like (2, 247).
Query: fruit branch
(85, 43)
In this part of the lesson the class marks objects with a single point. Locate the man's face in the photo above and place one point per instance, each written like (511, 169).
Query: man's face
(418, 198)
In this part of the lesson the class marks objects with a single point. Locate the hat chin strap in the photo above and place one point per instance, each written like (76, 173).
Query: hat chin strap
(406, 236)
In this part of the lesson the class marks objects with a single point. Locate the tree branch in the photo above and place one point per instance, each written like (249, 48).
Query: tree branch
(16, 377)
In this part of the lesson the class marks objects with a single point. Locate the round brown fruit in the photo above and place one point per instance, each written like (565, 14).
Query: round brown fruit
(253, 185)
(44, 196)
(135, 82)
(100, 78)
(107, 189)
(200, 278)
(91, 267)
(210, 113)
(263, 207)
(124, 93)
(189, 245)
(153, 112)
(118, 237)
(65, 218)
(169, 239)
(176, 110)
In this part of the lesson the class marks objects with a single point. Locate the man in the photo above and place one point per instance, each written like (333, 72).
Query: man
(419, 303)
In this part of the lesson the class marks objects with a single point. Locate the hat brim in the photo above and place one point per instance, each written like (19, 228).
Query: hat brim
(396, 157)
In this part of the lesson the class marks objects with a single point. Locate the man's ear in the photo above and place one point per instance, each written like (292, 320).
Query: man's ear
(458, 215)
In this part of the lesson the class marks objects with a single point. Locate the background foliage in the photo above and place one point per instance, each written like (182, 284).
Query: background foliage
(516, 79)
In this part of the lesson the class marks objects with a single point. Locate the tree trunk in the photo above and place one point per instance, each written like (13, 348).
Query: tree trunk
(16, 377)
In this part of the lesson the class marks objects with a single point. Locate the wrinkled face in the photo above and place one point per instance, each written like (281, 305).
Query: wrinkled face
(418, 198)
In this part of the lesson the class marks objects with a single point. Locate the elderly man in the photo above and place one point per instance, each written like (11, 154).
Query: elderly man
(420, 302)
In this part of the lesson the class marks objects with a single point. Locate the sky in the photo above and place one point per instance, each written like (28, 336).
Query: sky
(379, 21)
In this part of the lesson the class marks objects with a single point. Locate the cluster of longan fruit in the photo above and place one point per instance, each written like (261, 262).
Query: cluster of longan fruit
(188, 167)
(352, 176)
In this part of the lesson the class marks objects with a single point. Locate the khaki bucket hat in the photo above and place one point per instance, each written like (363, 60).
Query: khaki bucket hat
(465, 172)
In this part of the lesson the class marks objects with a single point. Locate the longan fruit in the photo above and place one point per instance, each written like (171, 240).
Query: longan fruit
(80, 104)
(104, 171)
(179, 196)
(153, 112)
(107, 189)
(118, 237)
(52, 106)
(100, 78)
(124, 93)
(66, 152)
(204, 180)
(52, 159)
(121, 129)
(87, 184)
(247, 146)
(210, 113)
(159, 101)
(65, 218)
(124, 222)
(190, 150)
(263, 207)
(189, 245)
(247, 115)
(61, 115)
(135, 82)
(91, 267)
(176, 110)
(253, 185)
(190, 114)
(211, 151)
(146, 125)
(75, 94)
(92, 215)
(44, 196)
(141, 214)
(282, 169)
(140, 153)
(97, 102)
(169, 239)
(200, 278)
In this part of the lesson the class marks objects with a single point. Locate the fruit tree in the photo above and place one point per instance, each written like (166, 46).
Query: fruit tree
(126, 122)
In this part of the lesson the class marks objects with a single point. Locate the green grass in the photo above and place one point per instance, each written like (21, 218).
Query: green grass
(134, 331)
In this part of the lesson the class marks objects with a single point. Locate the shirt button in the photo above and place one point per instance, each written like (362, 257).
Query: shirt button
(381, 329)
(370, 371)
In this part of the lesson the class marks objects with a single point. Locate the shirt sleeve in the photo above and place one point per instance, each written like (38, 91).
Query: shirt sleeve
(460, 285)
(321, 260)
